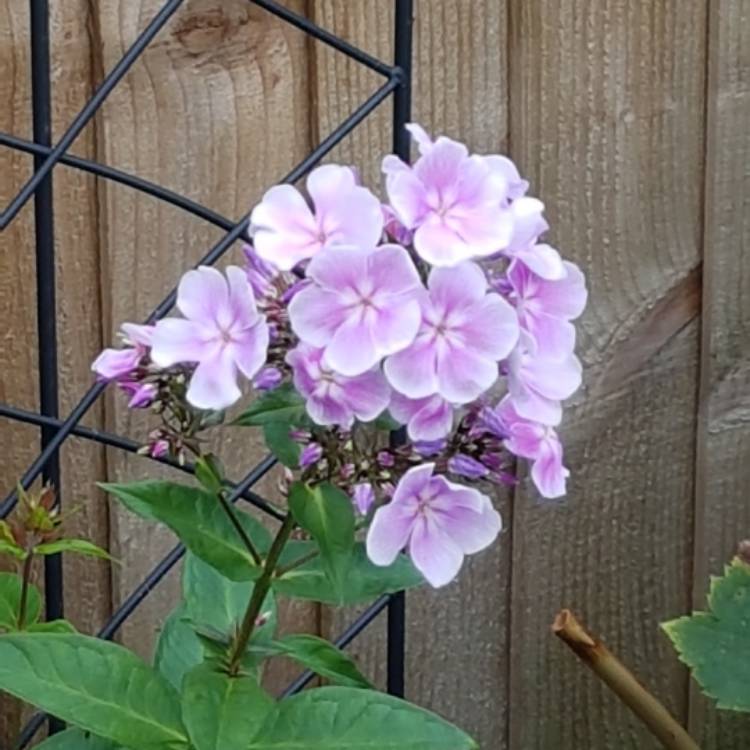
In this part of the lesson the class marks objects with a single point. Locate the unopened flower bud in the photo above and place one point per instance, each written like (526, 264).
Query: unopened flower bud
(386, 459)
(268, 379)
(311, 454)
(466, 466)
(363, 497)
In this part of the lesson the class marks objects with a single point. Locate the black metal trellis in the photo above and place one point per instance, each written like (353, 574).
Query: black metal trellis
(46, 155)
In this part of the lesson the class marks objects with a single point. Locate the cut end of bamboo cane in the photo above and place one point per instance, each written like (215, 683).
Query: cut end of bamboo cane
(567, 627)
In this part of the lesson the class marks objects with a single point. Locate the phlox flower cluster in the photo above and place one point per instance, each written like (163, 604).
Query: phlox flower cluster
(442, 309)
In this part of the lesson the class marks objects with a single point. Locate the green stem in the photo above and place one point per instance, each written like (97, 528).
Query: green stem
(25, 583)
(260, 591)
(298, 563)
(246, 540)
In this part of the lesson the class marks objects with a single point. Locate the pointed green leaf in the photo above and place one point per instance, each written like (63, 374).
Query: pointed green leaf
(276, 435)
(283, 404)
(339, 718)
(222, 712)
(96, 685)
(327, 514)
(78, 546)
(213, 601)
(178, 649)
(77, 739)
(364, 582)
(323, 658)
(54, 626)
(10, 602)
(199, 521)
(716, 644)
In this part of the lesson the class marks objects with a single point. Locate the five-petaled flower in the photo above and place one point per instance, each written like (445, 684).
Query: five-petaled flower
(439, 521)
(362, 306)
(465, 331)
(455, 203)
(222, 333)
(332, 398)
(287, 231)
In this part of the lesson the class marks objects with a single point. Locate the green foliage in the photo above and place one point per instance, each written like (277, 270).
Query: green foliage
(282, 446)
(327, 514)
(8, 544)
(283, 404)
(98, 686)
(340, 718)
(222, 712)
(364, 581)
(321, 657)
(199, 521)
(716, 644)
(178, 649)
(10, 602)
(54, 626)
(77, 739)
(78, 546)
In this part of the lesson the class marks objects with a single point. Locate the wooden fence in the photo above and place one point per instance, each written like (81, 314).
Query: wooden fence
(632, 120)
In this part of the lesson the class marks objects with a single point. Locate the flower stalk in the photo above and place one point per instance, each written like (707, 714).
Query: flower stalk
(25, 583)
(622, 682)
(260, 591)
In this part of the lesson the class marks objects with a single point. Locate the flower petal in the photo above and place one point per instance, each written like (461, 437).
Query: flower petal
(457, 287)
(548, 472)
(315, 314)
(202, 294)
(464, 375)
(214, 382)
(178, 340)
(241, 298)
(115, 363)
(413, 371)
(412, 483)
(491, 329)
(249, 351)
(433, 421)
(543, 260)
(471, 531)
(436, 556)
(392, 270)
(388, 533)
(367, 395)
(351, 351)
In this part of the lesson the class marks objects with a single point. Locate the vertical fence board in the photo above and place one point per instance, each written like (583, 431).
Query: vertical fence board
(79, 314)
(456, 643)
(607, 121)
(217, 110)
(723, 473)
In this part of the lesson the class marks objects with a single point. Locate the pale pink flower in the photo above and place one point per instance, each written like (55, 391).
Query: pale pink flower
(332, 398)
(286, 230)
(540, 444)
(538, 382)
(362, 306)
(528, 226)
(115, 364)
(439, 521)
(363, 497)
(545, 308)
(222, 333)
(426, 419)
(455, 203)
(465, 331)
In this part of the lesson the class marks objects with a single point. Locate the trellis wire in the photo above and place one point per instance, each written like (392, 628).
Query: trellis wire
(53, 430)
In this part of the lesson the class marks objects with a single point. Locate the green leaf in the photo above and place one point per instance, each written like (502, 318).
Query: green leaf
(54, 626)
(96, 685)
(364, 582)
(283, 404)
(222, 712)
(12, 549)
(323, 658)
(79, 546)
(210, 473)
(276, 435)
(213, 601)
(339, 718)
(716, 644)
(327, 514)
(10, 602)
(199, 521)
(178, 649)
(77, 739)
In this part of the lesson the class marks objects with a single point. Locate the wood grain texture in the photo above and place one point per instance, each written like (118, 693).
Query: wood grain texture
(723, 440)
(606, 120)
(79, 309)
(217, 109)
(457, 638)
